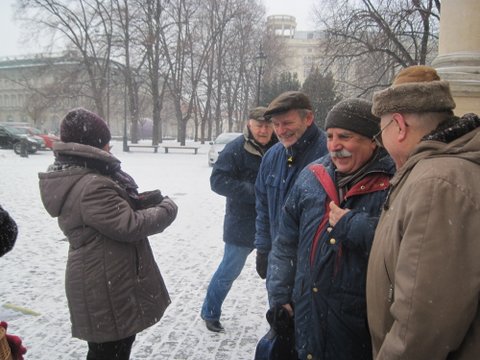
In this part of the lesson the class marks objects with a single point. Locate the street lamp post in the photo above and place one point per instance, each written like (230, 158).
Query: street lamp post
(125, 98)
(260, 61)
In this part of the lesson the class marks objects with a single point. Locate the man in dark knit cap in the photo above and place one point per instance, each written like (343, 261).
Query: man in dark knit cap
(318, 263)
(423, 281)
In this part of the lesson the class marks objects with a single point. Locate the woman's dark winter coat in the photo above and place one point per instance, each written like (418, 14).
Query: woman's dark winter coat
(233, 176)
(113, 285)
(326, 282)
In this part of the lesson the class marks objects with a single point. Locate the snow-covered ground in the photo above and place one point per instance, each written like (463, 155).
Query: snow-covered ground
(32, 274)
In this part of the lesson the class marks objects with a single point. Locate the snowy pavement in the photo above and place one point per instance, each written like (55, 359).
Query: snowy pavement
(188, 252)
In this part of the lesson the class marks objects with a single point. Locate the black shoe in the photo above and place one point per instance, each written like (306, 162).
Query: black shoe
(214, 325)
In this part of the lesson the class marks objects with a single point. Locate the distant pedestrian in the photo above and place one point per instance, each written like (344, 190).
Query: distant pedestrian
(233, 176)
(113, 285)
(423, 282)
(300, 143)
(24, 147)
(318, 263)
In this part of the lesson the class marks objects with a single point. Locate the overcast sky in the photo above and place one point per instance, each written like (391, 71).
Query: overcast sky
(301, 9)
(10, 32)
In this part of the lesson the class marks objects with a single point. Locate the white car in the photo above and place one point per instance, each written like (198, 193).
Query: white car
(218, 145)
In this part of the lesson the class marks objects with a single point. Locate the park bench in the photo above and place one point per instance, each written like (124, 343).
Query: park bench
(180, 147)
(154, 147)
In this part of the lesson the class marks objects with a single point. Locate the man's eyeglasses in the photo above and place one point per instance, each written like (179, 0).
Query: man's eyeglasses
(378, 136)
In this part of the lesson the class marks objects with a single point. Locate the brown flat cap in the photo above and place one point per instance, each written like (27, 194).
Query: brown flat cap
(258, 113)
(287, 101)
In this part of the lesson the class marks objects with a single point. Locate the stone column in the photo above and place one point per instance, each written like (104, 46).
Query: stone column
(458, 59)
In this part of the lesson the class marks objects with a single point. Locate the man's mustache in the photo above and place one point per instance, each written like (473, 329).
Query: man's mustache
(341, 154)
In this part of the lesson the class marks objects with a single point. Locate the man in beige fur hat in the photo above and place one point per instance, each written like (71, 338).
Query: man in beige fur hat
(423, 281)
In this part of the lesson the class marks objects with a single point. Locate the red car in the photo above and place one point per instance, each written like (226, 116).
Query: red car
(47, 138)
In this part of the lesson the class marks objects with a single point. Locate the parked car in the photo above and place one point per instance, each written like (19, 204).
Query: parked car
(218, 144)
(11, 137)
(48, 139)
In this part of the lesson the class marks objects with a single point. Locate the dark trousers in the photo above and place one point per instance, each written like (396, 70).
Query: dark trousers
(113, 350)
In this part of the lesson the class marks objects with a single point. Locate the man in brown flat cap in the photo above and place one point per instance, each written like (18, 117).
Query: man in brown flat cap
(423, 280)
(300, 143)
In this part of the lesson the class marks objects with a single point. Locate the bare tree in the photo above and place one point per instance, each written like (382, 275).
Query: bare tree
(187, 46)
(84, 25)
(122, 20)
(48, 86)
(246, 36)
(198, 56)
(368, 40)
(233, 28)
(149, 25)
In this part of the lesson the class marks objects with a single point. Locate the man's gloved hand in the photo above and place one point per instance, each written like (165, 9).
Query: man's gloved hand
(280, 320)
(262, 264)
(15, 343)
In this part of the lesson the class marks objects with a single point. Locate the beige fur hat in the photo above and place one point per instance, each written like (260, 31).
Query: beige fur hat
(415, 89)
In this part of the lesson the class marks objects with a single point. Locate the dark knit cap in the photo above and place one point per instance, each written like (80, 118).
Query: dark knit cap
(84, 127)
(287, 101)
(415, 89)
(258, 114)
(354, 115)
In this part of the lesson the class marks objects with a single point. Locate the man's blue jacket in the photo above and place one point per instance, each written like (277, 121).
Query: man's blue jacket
(278, 171)
(322, 270)
(233, 176)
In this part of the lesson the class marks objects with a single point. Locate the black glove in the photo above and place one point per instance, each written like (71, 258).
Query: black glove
(262, 264)
(280, 320)
(148, 199)
(282, 328)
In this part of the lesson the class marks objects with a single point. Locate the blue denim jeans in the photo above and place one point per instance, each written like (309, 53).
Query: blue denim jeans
(234, 258)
